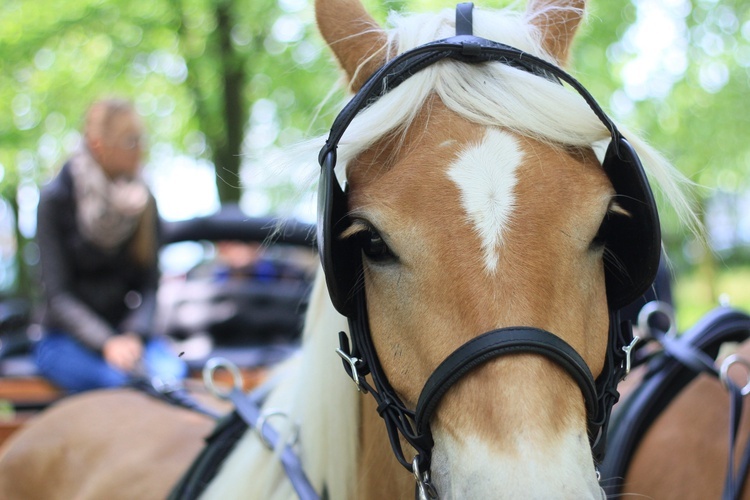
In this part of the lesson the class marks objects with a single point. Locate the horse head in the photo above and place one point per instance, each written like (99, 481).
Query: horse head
(475, 202)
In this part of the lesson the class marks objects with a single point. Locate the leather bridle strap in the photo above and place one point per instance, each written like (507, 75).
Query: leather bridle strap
(513, 340)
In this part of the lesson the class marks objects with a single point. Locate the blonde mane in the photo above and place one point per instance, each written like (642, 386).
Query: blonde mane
(314, 388)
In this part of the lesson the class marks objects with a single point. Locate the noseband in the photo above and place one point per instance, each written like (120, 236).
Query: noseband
(635, 243)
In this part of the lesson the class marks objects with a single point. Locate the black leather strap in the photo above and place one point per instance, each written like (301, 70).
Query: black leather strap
(464, 18)
(206, 465)
(399, 420)
(731, 488)
(466, 48)
(667, 375)
(516, 340)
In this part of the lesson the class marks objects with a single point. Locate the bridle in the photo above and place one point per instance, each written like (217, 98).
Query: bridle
(635, 243)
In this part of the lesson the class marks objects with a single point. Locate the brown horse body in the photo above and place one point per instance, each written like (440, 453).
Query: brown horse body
(106, 444)
(683, 455)
(476, 199)
(143, 454)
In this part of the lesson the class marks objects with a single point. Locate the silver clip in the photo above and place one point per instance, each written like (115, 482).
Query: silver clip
(352, 361)
(426, 490)
(628, 349)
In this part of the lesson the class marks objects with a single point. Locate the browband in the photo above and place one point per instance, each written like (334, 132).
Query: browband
(464, 48)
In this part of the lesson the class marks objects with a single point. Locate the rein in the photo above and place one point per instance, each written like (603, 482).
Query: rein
(248, 414)
(249, 408)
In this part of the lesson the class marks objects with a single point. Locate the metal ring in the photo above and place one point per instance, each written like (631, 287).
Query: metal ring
(263, 420)
(208, 376)
(656, 307)
(724, 372)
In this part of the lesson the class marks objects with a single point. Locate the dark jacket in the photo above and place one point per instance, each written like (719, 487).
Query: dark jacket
(90, 293)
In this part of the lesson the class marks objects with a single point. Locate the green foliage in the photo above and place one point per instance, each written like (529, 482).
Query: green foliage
(176, 58)
(694, 295)
(679, 72)
(227, 81)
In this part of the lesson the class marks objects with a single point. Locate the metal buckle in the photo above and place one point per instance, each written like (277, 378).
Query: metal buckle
(352, 361)
(628, 349)
(425, 489)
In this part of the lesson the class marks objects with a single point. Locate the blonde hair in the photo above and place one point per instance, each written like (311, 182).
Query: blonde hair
(102, 113)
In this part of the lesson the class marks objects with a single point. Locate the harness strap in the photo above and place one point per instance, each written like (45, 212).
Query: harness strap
(514, 340)
(733, 483)
(698, 361)
(249, 408)
(666, 376)
(206, 465)
(174, 395)
(688, 351)
(464, 18)
(742, 470)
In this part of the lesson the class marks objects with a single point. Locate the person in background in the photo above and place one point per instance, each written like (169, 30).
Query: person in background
(97, 231)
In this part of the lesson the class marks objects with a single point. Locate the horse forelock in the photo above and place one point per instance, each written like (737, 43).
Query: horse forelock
(495, 94)
(489, 94)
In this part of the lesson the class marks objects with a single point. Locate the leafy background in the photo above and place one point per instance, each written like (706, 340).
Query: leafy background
(223, 84)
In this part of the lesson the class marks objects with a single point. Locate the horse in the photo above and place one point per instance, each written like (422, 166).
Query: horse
(492, 224)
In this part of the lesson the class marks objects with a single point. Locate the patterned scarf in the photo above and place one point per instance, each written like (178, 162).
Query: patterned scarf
(108, 210)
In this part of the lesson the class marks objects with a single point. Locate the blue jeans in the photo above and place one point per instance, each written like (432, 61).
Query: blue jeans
(70, 365)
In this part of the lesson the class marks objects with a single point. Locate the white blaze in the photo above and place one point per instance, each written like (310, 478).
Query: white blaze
(559, 469)
(486, 176)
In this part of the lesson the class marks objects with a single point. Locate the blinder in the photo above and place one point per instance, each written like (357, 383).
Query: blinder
(635, 242)
(633, 250)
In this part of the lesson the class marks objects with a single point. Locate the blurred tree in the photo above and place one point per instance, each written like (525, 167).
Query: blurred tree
(194, 68)
(223, 80)
(228, 80)
(680, 72)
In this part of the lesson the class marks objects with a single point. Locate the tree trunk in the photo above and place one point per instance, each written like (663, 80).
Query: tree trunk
(227, 159)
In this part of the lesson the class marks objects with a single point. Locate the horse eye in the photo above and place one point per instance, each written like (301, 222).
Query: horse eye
(614, 214)
(602, 235)
(374, 247)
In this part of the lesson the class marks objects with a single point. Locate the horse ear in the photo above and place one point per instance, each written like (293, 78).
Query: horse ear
(355, 38)
(557, 21)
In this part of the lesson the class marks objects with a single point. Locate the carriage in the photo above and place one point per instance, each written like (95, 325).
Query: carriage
(233, 287)
(493, 224)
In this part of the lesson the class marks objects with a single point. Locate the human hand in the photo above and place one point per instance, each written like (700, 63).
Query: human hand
(123, 351)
